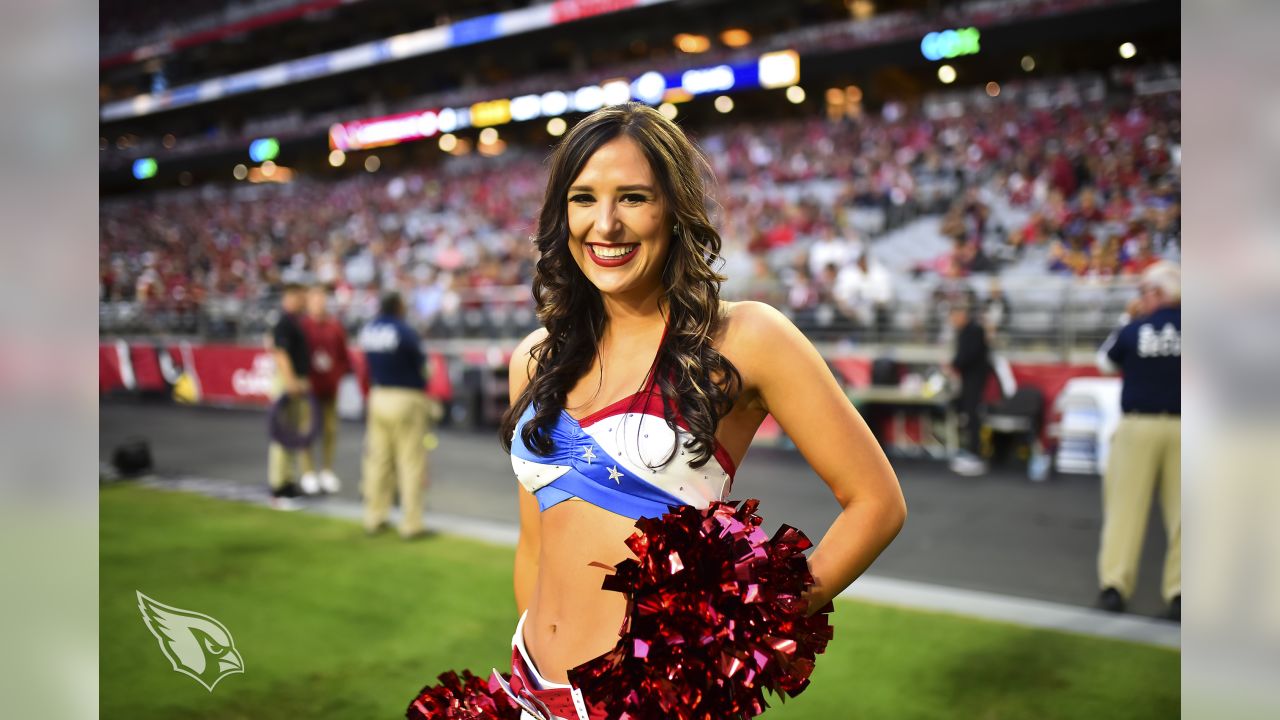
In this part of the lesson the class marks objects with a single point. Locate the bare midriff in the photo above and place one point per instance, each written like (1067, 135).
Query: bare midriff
(571, 619)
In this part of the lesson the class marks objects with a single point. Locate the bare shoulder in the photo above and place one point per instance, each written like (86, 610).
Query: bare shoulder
(757, 336)
(526, 345)
(521, 367)
(751, 327)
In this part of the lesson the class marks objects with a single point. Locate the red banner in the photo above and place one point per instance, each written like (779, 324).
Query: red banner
(109, 376)
(563, 11)
(234, 374)
(225, 374)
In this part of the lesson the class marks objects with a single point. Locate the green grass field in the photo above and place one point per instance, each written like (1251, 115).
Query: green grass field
(332, 624)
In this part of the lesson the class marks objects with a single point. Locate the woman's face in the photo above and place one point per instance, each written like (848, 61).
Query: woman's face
(619, 228)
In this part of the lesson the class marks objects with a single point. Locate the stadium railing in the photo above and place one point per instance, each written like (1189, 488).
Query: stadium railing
(1047, 316)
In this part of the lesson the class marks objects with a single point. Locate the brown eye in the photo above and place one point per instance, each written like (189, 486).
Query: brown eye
(580, 199)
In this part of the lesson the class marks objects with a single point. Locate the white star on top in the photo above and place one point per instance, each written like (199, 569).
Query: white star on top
(588, 454)
(614, 475)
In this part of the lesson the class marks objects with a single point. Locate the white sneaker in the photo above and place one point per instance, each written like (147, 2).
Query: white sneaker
(310, 484)
(329, 481)
(968, 466)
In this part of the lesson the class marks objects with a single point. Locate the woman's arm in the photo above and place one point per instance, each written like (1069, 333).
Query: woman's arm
(530, 543)
(794, 384)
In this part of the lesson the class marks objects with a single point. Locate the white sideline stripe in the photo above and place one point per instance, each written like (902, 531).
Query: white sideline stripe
(886, 591)
(1019, 611)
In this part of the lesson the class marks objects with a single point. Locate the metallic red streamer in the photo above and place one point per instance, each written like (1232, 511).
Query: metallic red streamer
(715, 616)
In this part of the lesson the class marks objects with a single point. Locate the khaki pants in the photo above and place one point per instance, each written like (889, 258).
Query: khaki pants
(1146, 458)
(394, 454)
(281, 461)
(327, 440)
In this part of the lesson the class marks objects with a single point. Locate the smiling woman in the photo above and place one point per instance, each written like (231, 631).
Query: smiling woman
(616, 222)
(641, 394)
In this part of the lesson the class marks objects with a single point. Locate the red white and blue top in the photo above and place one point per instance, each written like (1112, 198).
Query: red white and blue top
(611, 459)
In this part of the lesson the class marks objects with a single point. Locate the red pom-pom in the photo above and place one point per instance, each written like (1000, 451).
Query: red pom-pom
(715, 616)
(465, 698)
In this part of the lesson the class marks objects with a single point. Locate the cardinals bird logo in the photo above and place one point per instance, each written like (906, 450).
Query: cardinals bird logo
(195, 643)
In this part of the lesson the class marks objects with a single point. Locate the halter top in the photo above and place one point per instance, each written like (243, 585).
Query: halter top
(605, 459)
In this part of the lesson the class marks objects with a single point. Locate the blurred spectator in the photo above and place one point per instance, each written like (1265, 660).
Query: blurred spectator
(395, 449)
(864, 292)
(996, 310)
(830, 249)
(330, 361)
(971, 364)
(803, 297)
(1146, 453)
(1062, 179)
(293, 366)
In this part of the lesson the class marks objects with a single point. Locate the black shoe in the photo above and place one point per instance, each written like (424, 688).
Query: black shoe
(287, 490)
(1111, 601)
(1175, 609)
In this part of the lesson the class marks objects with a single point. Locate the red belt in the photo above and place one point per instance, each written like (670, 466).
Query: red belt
(543, 704)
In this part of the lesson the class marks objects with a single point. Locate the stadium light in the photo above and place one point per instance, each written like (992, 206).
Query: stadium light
(951, 43)
(337, 158)
(372, 163)
(861, 9)
(795, 94)
(946, 74)
(526, 107)
(488, 136)
(669, 110)
(554, 103)
(735, 37)
(993, 88)
(724, 103)
(169, 141)
(649, 87)
(491, 112)
(556, 127)
(588, 98)
(240, 172)
(448, 142)
(692, 44)
(268, 168)
(1127, 50)
(616, 92)
(704, 80)
(1028, 63)
(447, 120)
(144, 168)
(264, 149)
(428, 124)
(778, 69)
(853, 94)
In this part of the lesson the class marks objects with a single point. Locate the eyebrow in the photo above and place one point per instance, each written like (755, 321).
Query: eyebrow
(621, 188)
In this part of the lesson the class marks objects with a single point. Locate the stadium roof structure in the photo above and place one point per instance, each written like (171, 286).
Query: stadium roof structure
(472, 31)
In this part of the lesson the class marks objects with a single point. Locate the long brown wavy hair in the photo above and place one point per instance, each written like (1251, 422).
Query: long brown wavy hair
(694, 379)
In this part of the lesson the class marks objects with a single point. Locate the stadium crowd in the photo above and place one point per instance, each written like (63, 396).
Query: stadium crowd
(1093, 188)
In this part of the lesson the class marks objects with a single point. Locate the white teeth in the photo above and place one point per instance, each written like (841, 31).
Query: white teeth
(613, 252)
